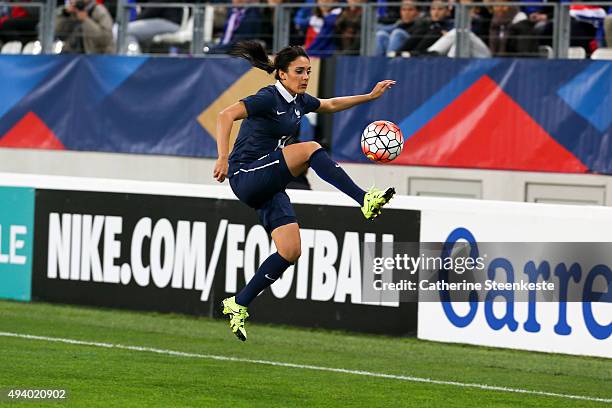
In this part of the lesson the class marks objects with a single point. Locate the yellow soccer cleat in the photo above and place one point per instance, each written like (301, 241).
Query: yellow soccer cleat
(237, 316)
(374, 200)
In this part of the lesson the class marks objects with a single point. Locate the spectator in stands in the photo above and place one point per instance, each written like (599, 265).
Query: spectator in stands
(152, 21)
(585, 22)
(242, 23)
(387, 16)
(512, 33)
(390, 38)
(480, 20)
(447, 45)
(18, 24)
(542, 26)
(321, 29)
(434, 27)
(219, 17)
(348, 27)
(85, 26)
(301, 19)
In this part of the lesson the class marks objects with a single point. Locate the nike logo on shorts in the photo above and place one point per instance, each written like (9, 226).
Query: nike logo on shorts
(269, 278)
(280, 113)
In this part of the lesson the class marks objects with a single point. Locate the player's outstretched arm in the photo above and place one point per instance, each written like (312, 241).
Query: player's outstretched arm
(225, 120)
(345, 102)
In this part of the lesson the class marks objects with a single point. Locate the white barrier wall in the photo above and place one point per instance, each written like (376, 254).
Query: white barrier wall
(582, 328)
(412, 180)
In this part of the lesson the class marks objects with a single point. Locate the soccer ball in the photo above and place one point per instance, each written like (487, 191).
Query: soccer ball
(382, 141)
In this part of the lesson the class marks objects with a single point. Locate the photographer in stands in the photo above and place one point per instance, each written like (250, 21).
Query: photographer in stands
(85, 26)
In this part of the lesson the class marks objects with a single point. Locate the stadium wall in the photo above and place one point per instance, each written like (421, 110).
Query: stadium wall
(99, 242)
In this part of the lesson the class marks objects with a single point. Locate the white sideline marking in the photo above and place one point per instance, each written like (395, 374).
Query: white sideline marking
(306, 367)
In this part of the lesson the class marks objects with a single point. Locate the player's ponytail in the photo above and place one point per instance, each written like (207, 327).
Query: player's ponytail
(253, 52)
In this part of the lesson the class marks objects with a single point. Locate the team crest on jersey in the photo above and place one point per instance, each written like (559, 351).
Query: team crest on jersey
(297, 112)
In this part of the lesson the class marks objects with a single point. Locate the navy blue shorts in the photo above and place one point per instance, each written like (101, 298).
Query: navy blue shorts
(261, 185)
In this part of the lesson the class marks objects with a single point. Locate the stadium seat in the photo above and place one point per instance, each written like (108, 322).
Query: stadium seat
(546, 51)
(32, 48)
(602, 54)
(58, 46)
(403, 54)
(183, 35)
(133, 48)
(11, 47)
(576, 53)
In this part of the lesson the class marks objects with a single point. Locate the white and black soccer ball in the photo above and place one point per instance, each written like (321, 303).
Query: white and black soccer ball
(382, 141)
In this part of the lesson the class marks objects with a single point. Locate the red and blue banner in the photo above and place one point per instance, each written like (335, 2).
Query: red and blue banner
(511, 114)
(534, 115)
(113, 103)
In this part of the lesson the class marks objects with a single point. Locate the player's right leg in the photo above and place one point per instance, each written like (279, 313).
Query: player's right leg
(261, 185)
(300, 156)
(288, 249)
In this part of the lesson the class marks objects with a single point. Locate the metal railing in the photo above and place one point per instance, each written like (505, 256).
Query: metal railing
(283, 19)
(202, 13)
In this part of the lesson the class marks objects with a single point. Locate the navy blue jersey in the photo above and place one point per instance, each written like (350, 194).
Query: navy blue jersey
(273, 118)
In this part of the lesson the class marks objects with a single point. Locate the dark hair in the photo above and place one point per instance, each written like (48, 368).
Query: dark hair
(255, 53)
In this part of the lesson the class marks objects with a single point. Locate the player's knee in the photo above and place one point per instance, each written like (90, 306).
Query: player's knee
(291, 254)
(313, 147)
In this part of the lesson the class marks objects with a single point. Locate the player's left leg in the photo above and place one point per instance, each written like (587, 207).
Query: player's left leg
(300, 156)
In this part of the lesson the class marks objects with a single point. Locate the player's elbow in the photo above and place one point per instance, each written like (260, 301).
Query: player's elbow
(327, 107)
(225, 114)
(234, 112)
(225, 118)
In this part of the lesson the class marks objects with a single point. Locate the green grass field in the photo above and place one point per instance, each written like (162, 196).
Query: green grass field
(101, 376)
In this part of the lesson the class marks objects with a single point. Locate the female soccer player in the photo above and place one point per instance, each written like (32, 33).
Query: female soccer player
(261, 164)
